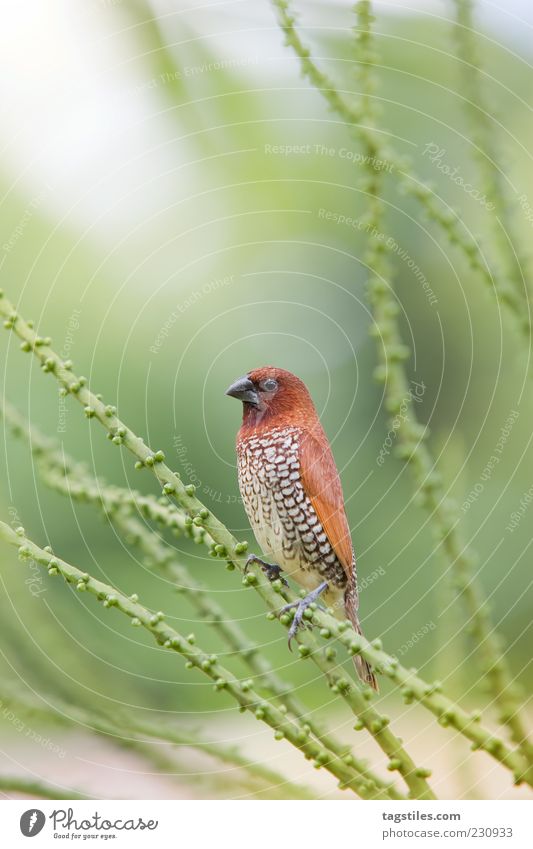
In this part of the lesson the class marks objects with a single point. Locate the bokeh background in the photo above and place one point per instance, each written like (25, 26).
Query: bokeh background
(165, 175)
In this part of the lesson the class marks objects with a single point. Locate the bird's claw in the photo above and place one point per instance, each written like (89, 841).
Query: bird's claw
(271, 570)
(301, 606)
(297, 622)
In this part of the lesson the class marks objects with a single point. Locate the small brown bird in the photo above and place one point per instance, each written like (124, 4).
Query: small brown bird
(292, 495)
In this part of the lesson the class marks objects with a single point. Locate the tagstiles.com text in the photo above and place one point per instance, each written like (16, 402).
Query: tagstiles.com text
(414, 827)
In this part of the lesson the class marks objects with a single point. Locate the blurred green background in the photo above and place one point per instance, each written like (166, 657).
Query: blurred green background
(174, 250)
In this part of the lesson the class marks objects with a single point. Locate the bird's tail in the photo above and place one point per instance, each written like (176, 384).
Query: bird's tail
(362, 666)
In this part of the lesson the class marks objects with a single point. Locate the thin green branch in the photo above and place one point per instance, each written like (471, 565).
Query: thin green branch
(444, 515)
(483, 137)
(413, 688)
(224, 681)
(54, 465)
(451, 223)
(443, 512)
(235, 638)
(226, 544)
(386, 158)
(365, 58)
(432, 495)
(85, 487)
(268, 592)
(392, 352)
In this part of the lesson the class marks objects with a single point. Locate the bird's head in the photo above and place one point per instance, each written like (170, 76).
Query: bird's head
(270, 393)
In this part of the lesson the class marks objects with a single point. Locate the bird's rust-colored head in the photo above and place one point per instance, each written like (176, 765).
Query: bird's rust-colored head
(272, 395)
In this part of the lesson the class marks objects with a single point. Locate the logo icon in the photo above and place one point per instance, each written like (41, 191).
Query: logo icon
(32, 822)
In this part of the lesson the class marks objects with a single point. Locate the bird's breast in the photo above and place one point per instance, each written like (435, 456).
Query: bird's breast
(282, 517)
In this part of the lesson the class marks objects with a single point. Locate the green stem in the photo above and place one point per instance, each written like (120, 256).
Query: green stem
(444, 518)
(225, 541)
(226, 545)
(224, 681)
(444, 512)
(392, 352)
(482, 134)
(54, 465)
(355, 117)
(414, 688)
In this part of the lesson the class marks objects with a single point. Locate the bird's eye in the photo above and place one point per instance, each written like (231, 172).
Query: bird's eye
(269, 385)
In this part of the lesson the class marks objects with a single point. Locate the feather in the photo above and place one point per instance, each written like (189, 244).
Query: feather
(322, 485)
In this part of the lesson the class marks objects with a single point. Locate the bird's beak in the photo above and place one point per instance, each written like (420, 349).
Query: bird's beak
(244, 390)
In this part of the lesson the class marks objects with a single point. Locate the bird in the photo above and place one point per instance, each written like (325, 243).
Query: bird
(292, 494)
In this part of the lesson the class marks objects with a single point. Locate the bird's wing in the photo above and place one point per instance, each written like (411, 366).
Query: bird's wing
(321, 483)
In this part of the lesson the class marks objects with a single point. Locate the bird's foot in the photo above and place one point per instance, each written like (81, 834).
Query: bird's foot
(301, 606)
(271, 570)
